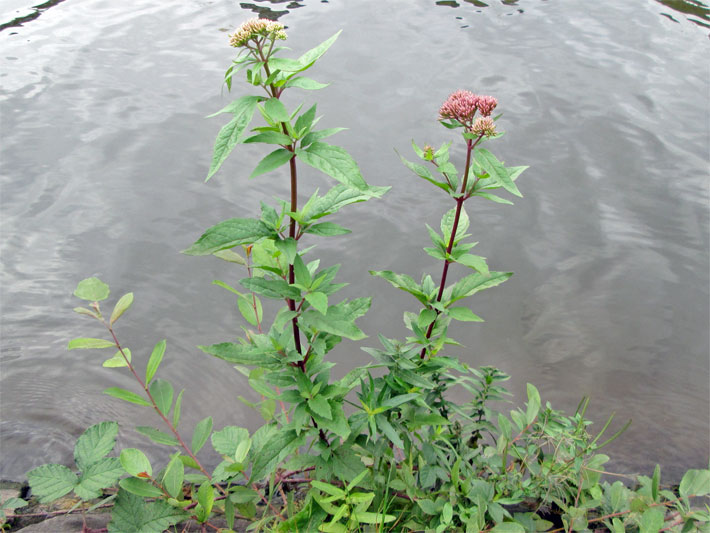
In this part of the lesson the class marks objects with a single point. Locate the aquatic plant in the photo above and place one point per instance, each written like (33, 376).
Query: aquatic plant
(384, 448)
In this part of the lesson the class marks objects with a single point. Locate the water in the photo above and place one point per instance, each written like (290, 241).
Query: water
(105, 148)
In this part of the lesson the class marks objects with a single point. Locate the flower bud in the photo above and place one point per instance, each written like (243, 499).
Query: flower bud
(255, 28)
(484, 126)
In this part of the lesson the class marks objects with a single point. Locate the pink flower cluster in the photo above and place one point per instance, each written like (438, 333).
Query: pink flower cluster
(462, 106)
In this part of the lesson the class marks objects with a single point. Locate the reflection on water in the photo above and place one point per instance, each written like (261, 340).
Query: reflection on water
(689, 7)
(104, 149)
(36, 12)
(268, 13)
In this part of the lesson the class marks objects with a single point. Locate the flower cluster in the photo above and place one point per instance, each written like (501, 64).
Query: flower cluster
(462, 106)
(255, 28)
(484, 126)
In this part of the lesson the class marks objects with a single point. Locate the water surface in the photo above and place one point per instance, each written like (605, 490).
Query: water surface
(105, 148)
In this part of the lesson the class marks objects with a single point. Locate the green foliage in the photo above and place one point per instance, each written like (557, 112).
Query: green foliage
(383, 448)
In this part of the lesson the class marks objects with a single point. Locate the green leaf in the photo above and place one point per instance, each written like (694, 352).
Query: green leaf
(464, 314)
(695, 483)
(121, 306)
(301, 273)
(140, 487)
(275, 450)
(231, 134)
(269, 137)
(276, 111)
(447, 224)
(320, 406)
(126, 395)
(365, 517)
(285, 64)
(159, 437)
(655, 482)
(335, 162)
(95, 444)
(154, 362)
(533, 403)
(98, 476)
(174, 476)
(319, 301)
(136, 463)
(131, 513)
(228, 234)
(272, 161)
(508, 527)
(474, 261)
(314, 53)
(118, 361)
(302, 82)
(652, 520)
(227, 440)
(87, 312)
(476, 282)
(162, 393)
(424, 173)
(202, 432)
(327, 229)
(338, 320)
(230, 256)
(88, 343)
(205, 497)
(246, 308)
(241, 354)
(493, 198)
(495, 168)
(403, 282)
(314, 136)
(92, 290)
(271, 288)
(177, 409)
(50, 482)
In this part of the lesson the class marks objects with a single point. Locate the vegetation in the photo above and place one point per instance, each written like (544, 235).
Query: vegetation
(383, 448)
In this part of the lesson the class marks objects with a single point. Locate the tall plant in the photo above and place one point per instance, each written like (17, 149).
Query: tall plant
(403, 456)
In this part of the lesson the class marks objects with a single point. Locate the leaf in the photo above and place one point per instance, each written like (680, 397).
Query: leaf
(272, 161)
(335, 162)
(98, 476)
(275, 450)
(424, 173)
(118, 361)
(241, 354)
(285, 64)
(305, 83)
(162, 393)
(404, 282)
(271, 288)
(135, 463)
(202, 432)
(246, 308)
(508, 527)
(157, 436)
(126, 395)
(226, 440)
(50, 482)
(495, 168)
(131, 513)
(121, 306)
(655, 482)
(174, 476)
(327, 229)
(338, 320)
(447, 224)
(652, 520)
(205, 497)
(320, 406)
(92, 290)
(319, 301)
(314, 136)
(314, 53)
(230, 256)
(177, 409)
(474, 261)
(476, 282)
(228, 234)
(85, 311)
(230, 135)
(695, 483)
(140, 487)
(277, 111)
(155, 358)
(464, 314)
(88, 343)
(95, 444)
(493, 198)
(269, 137)
(365, 517)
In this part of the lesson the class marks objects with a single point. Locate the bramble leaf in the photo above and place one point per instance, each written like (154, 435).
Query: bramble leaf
(95, 444)
(50, 482)
(98, 476)
(132, 513)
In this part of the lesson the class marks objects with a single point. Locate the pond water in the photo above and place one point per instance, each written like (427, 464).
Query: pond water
(105, 148)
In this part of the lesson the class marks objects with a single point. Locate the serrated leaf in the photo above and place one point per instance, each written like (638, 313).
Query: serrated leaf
(95, 444)
(695, 483)
(464, 314)
(275, 450)
(230, 256)
(476, 282)
(131, 513)
(274, 160)
(118, 361)
(231, 134)
(157, 436)
(228, 234)
(319, 301)
(135, 463)
(98, 476)
(201, 433)
(338, 320)
(302, 82)
(121, 306)
(126, 395)
(50, 482)
(474, 261)
(320, 406)
(494, 198)
(495, 168)
(155, 358)
(86, 343)
(327, 229)
(269, 137)
(314, 53)
(508, 527)
(652, 520)
(276, 109)
(335, 162)
(162, 393)
(226, 440)
(246, 308)
(92, 290)
(177, 409)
